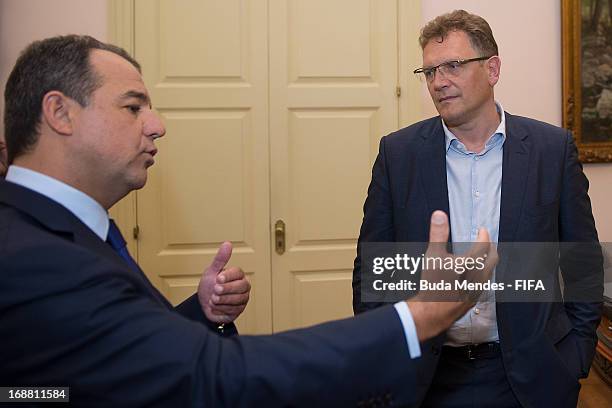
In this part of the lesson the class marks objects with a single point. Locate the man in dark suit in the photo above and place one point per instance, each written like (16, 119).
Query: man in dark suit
(77, 311)
(520, 179)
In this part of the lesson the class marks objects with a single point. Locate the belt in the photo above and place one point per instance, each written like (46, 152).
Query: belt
(473, 351)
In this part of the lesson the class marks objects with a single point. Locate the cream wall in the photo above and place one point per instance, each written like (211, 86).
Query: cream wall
(528, 34)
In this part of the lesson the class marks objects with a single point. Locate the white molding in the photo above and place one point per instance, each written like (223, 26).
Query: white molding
(120, 23)
(410, 21)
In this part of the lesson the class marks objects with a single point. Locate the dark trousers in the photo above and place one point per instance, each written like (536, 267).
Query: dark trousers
(463, 383)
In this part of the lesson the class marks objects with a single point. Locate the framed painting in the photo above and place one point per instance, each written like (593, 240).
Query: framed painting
(587, 76)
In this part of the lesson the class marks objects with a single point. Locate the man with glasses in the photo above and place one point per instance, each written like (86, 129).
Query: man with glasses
(522, 181)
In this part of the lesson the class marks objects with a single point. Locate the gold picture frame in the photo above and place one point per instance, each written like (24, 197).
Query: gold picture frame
(587, 75)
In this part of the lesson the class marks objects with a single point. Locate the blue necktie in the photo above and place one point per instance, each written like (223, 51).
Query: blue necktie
(116, 241)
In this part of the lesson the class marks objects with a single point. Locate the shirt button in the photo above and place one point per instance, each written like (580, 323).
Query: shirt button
(477, 194)
(476, 158)
(476, 310)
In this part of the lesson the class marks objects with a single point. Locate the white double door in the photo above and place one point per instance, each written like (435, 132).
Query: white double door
(273, 110)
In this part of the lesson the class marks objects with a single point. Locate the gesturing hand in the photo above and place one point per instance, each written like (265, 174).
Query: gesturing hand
(223, 292)
(435, 311)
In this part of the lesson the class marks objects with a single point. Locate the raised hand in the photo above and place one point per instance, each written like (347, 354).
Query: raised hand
(223, 291)
(434, 311)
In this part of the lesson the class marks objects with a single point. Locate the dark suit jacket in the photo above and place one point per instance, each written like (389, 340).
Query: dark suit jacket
(546, 347)
(73, 314)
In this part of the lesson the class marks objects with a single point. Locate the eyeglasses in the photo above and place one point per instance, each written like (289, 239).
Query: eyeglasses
(450, 69)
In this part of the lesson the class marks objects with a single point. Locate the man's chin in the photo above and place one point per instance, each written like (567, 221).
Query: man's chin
(451, 119)
(138, 186)
(452, 115)
(139, 181)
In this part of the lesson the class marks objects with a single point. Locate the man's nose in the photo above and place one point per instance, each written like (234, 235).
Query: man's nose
(439, 80)
(154, 126)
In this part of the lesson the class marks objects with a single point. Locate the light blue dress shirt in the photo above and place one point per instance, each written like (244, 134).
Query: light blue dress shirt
(85, 208)
(91, 213)
(474, 197)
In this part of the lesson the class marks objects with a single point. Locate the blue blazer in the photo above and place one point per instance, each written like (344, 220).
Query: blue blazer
(546, 347)
(73, 314)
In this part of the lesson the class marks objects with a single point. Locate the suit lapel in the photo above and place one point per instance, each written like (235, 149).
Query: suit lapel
(57, 219)
(85, 237)
(515, 168)
(53, 217)
(432, 166)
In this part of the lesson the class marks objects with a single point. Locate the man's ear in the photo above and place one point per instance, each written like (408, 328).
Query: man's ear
(493, 68)
(58, 112)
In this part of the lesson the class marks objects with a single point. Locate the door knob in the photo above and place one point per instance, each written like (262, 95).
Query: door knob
(279, 237)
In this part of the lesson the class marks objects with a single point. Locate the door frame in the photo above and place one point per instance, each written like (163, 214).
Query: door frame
(120, 29)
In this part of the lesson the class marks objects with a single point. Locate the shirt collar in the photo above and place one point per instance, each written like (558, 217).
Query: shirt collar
(501, 130)
(85, 208)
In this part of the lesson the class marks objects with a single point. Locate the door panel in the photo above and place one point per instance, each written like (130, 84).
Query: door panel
(202, 63)
(333, 73)
(279, 101)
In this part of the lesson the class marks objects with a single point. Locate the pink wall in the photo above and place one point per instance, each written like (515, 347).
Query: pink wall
(528, 34)
(23, 21)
